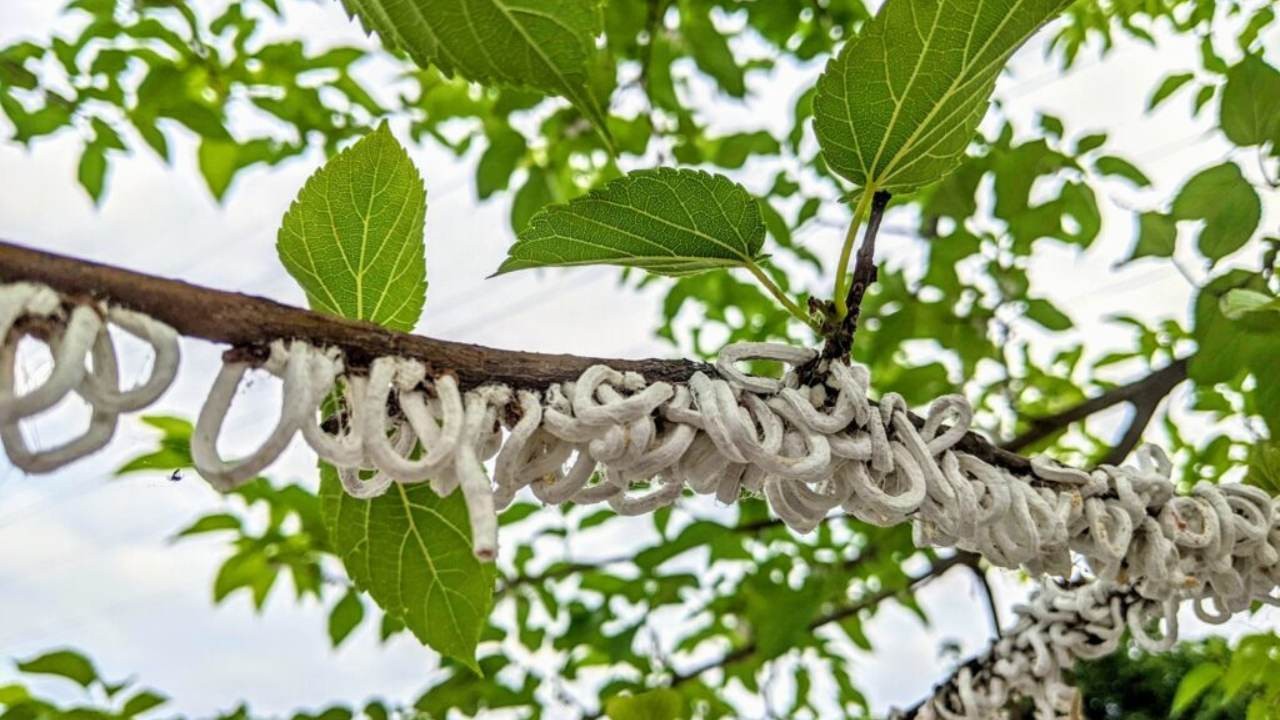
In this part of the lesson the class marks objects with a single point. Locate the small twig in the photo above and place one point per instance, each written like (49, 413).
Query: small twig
(1143, 393)
(870, 601)
(839, 334)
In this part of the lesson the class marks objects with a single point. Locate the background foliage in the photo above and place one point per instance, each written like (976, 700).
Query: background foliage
(125, 77)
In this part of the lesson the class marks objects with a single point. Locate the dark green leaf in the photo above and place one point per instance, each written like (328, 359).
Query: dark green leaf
(345, 616)
(1046, 315)
(1250, 110)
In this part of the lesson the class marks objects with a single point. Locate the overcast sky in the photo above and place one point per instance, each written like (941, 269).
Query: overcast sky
(86, 560)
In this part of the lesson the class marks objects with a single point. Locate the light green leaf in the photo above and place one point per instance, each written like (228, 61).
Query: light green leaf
(660, 704)
(353, 237)
(143, 701)
(673, 222)
(535, 194)
(548, 45)
(1228, 205)
(217, 160)
(1250, 110)
(63, 663)
(410, 549)
(898, 106)
(1238, 303)
(1168, 87)
(1119, 167)
(1193, 685)
(345, 616)
(1157, 236)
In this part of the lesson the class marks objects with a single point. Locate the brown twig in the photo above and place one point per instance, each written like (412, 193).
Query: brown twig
(1144, 394)
(839, 337)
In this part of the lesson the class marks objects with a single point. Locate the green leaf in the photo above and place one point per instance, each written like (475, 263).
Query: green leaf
(410, 549)
(710, 49)
(217, 161)
(1090, 142)
(898, 106)
(1250, 110)
(548, 45)
(506, 148)
(92, 171)
(1046, 315)
(345, 616)
(660, 704)
(1157, 236)
(353, 237)
(535, 194)
(63, 663)
(1119, 167)
(1193, 685)
(1238, 303)
(143, 701)
(216, 522)
(672, 222)
(1168, 87)
(1228, 205)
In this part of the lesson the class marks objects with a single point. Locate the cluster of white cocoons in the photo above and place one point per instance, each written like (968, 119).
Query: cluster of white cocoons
(612, 437)
(1058, 628)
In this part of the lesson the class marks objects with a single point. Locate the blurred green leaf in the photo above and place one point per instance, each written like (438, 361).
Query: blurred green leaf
(1228, 205)
(1249, 113)
(544, 44)
(660, 704)
(63, 663)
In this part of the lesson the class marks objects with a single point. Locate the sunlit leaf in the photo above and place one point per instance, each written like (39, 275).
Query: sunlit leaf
(353, 238)
(666, 221)
(900, 103)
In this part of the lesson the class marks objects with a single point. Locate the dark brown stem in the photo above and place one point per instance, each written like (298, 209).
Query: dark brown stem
(248, 323)
(1145, 394)
(839, 339)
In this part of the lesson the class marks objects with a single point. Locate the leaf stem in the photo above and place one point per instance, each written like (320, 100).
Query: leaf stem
(781, 296)
(846, 252)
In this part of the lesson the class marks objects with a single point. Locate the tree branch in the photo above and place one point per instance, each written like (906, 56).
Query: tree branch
(870, 601)
(1145, 394)
(248, 323)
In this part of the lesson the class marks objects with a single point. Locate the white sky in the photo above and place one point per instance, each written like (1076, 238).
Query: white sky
(86, 560)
